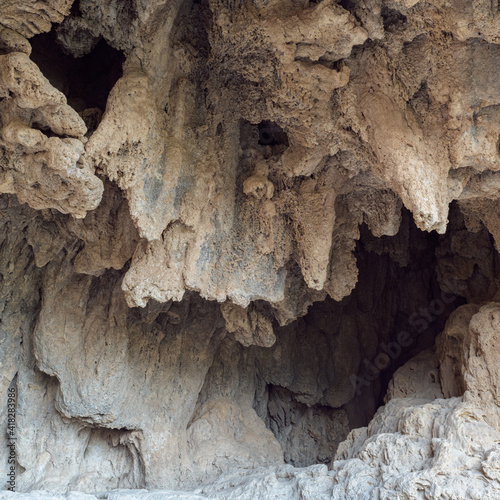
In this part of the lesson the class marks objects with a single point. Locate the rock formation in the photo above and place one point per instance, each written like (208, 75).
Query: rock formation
(249, 250)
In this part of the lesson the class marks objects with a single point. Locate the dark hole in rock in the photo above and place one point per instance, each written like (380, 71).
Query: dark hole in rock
(43, 128)
(420, 101)
(86, 81)
(75, 9)
(392, 19)
(265, 142)
(306, 383)
(271, 134)
(262, 136)
(349, 5)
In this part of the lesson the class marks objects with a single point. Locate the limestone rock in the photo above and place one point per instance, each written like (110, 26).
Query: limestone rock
(45, 172)
(28, 18)
(248, 325)
(228, 230)
(443, 447)
(223, 435)
(419, 378)
(427, 443)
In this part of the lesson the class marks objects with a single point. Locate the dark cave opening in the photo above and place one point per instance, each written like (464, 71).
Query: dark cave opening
(75, 9)
(266, 137)
(331, 369)
(392, 19)
(416, 307)
(85, 81)
(271, 134)
(349, 5)
(261, 144)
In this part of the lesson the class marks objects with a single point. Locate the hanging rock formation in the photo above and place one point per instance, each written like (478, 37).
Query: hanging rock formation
(250, 250)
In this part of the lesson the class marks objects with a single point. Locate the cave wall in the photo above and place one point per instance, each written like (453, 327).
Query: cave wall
(226, 231)
(171, 395)
(251, 138)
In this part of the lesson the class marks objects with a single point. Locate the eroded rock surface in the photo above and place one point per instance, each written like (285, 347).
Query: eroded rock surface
(231, 236)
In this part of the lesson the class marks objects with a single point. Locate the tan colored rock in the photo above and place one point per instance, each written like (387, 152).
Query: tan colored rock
(156, 272)
(129, 146)
(12, 41)
(223, 435)
(252, 159)
(482, 370)
(28, 18)
(419, 378)
(249, 326)
(45, 172)
(112, 398)
(436, 443)
(427, 442)
(109, 248)
(452, 348)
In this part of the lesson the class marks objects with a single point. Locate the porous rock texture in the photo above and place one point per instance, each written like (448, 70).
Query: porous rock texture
(248, 250)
